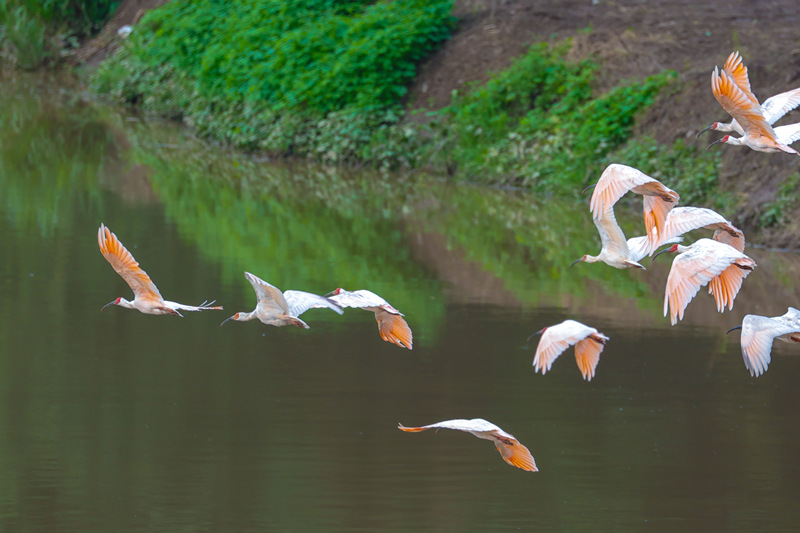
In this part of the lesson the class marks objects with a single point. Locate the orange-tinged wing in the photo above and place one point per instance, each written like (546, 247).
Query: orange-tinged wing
(726, 286)
(556, 339)
(746, 112)
(394, 329)
(656, 209)
(126, 266)
(587, 354)
(735, 69)
(516, 454)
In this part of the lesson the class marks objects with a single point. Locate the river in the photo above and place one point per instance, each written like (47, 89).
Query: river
(119, 421)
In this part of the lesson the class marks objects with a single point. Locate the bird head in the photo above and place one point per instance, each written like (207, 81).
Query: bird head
(234, 317)
(115, 302)
(673, 248)
(578, 261)
(534, 334)
(713, 126)
(724, 139)
(335, 292)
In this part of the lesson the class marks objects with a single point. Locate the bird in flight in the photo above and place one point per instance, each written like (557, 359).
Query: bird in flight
(391, 325)
(512, 451)
(772, 109)
(758, 332)
(707, 261)
(281, 309)
(615, 181)
(589, 343)
(147, 299)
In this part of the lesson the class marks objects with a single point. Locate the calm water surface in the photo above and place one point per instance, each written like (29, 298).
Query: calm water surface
(119, 421)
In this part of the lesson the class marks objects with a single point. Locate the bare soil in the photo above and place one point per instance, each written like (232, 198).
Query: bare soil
(630, 39)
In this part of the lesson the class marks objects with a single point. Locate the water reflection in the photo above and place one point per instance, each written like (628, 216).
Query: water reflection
(138, 423)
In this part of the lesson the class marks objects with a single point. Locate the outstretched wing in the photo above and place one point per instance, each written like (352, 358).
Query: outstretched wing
(393, 328)
(780, 104)
(459, 424)
(126, 266)
(735, 69)
(299, 302)
(362, 299)
(515, 454)
(269, 297)
(758, 332)
(587, 354)
(746, 112)
(555, 340)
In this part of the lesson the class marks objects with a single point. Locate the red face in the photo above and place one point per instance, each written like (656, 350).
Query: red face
(673, 248)
(725, 139)
(117, 301)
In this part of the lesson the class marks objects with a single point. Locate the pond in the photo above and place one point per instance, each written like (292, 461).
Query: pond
(120, 421)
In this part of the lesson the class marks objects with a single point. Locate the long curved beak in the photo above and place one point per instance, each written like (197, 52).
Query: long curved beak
(703, 131)
(661, 252)
(712, 144)
(737, 327)
(109, 303)
(330, 294)
(229, 318)
(575, 262)
(534, 334)
(589, 187)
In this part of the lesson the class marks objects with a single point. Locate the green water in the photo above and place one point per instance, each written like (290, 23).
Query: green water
(119, 421)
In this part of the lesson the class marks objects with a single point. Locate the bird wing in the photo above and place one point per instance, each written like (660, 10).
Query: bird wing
(515, 453)
(692, 269)
(460, 424)
(299, 302)
(556, 339)
(730, 237)
(126, 266)
(788, 134)
(639, 246)
(611, 236)
(758, 332)
(735, 69)
(739, 106)
(775, 107)
(726, 286)
(587, 354)
(361, 299)
(269, 297)
(393, 328)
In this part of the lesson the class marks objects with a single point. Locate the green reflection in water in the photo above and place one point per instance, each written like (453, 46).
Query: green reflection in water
(54, 149)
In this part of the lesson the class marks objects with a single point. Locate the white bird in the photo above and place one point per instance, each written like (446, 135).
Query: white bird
(772, 109)
(391, 325)
(682, 220)
(758, 133)
(512, 451)
(758, 333)
(615, 181)
(281, 309)
(146, 299)
(706, 261)
(589, 343)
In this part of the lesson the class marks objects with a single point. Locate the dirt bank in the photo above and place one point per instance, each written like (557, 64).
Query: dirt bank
(631, 39)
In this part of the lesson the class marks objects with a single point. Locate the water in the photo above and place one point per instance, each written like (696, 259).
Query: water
(118, 421)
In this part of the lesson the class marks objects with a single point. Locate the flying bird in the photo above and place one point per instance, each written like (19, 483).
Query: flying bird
(758, 332)
(772, 109)
(512, 451)
(589, 343)
(615, 181)
(391, 325)
(147, 299)
(682, 220)
(758, 133)
(281, 309)
(706, 261)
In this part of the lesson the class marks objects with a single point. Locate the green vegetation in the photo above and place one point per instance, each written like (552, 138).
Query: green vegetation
(33, 32)
(778, 211)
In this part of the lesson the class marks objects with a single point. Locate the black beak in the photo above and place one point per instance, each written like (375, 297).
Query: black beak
(712, 144)
(587, 188)
(575, 262)
(703, 131)
(109, 303)
(230, 317)
(534, 334)
(737, 327)
(661, 252)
